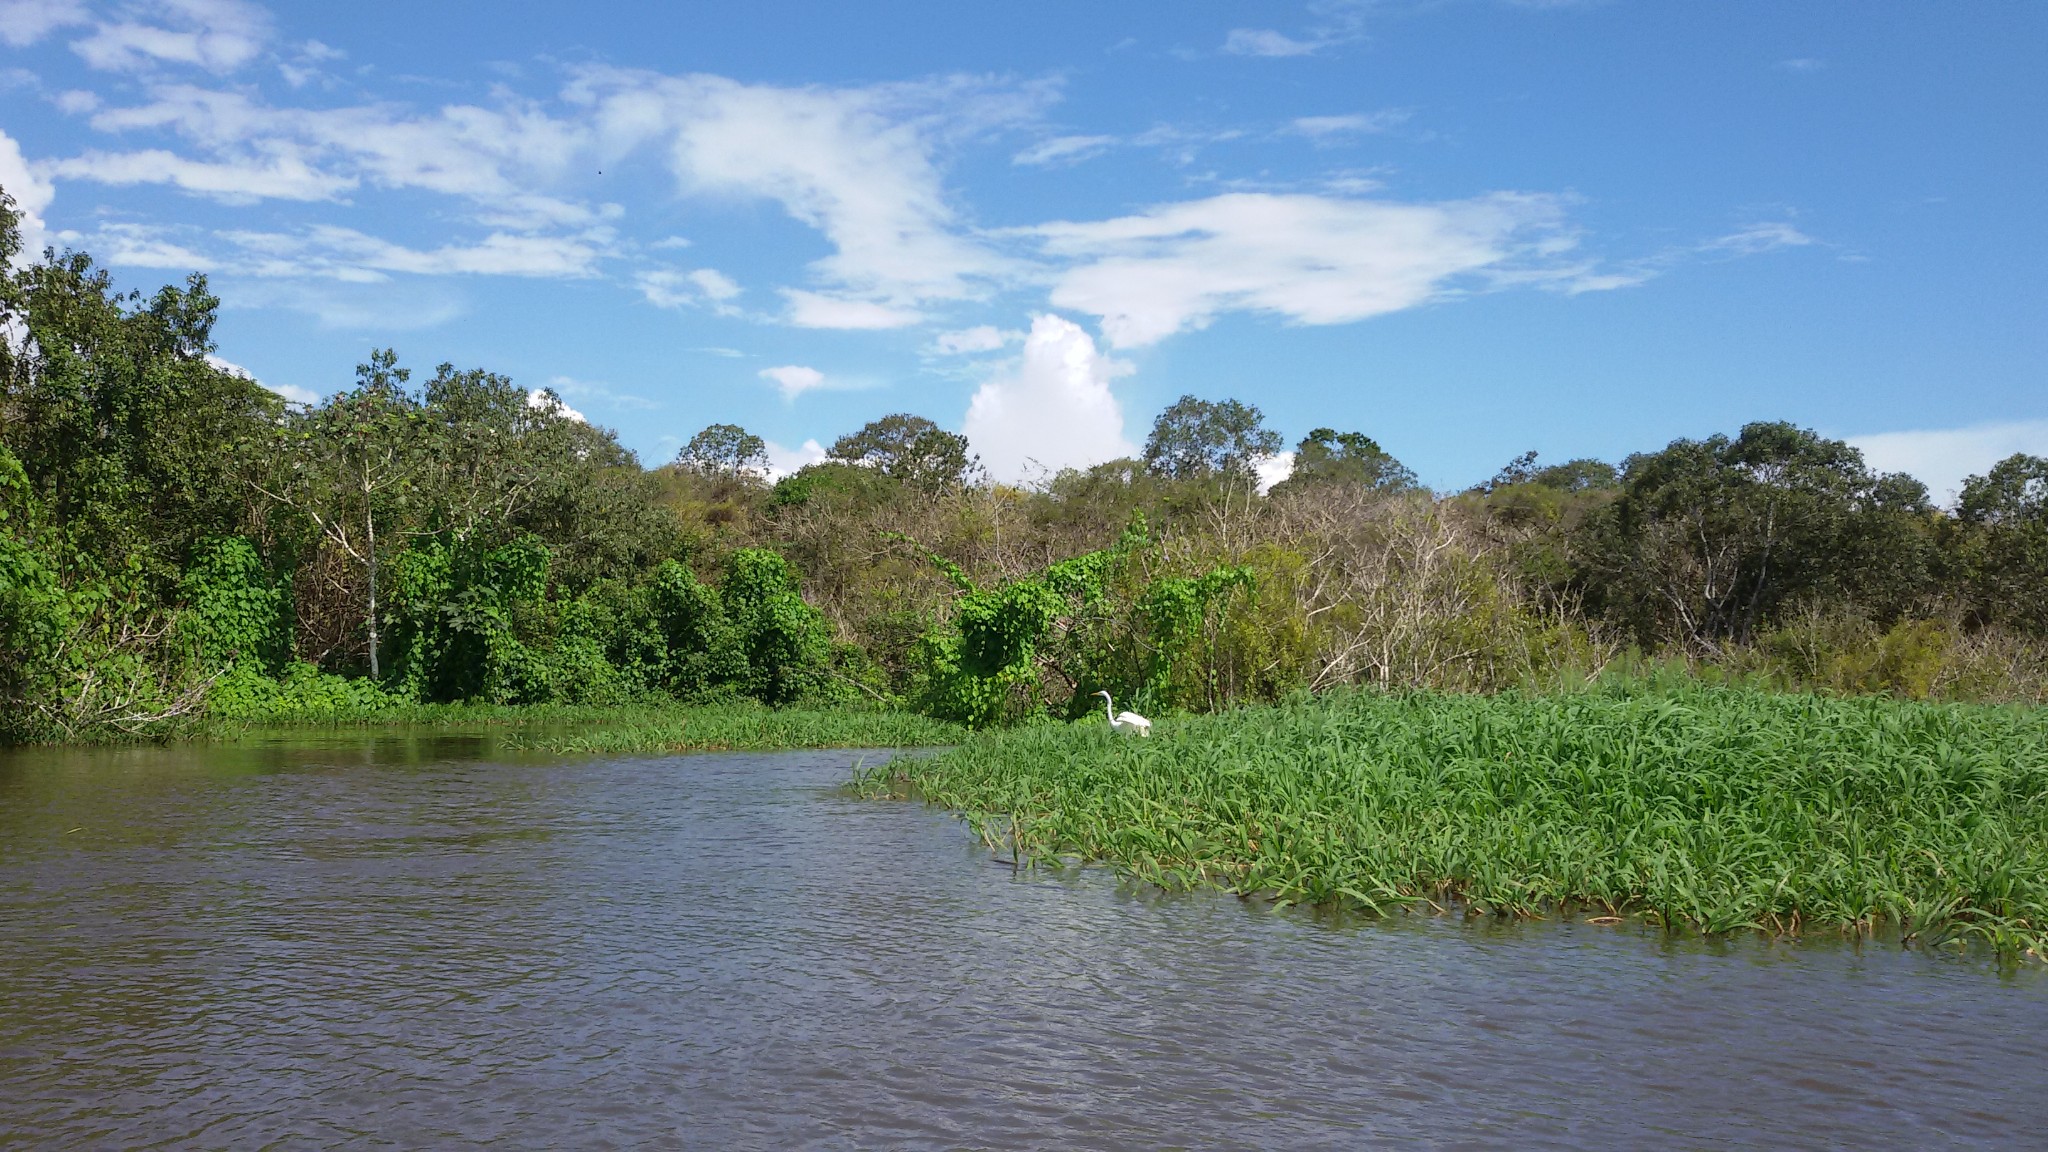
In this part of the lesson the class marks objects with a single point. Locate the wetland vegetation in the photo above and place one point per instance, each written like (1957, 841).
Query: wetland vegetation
(1701, 809)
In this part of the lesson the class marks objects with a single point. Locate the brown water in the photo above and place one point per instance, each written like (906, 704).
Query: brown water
(401, 941)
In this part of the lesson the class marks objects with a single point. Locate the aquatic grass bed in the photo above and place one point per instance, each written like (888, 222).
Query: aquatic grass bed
(1711, 809)
(740, 728)
(592, 730)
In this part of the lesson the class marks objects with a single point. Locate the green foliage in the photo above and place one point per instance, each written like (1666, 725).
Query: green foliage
(909, 449)
(726, 450)
(1716, 810)
(1197, 438)
(1708, 541)
(1326, 456)
(300, 691)
(455, 605)
(754, 636)
(235, 612)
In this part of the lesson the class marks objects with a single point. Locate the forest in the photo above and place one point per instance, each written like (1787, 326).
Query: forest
(177, 541)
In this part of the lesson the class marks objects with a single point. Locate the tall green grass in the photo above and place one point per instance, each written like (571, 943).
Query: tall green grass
(1710, 809)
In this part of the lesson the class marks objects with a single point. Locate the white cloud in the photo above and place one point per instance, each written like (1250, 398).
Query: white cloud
(77, 102)
(1802, 64)
(1273, 469)
(23, 22)
(570, 386)
(816, 310)
(702, 288)
(326, 251)
(1053, 410)
(283, 176)
(783, 461)
(856, 164)
(545, 400)
(31, 194)
(217, 35)
(967, 341)
(1310, 259)
(1064, 150)
(1942, 458)
(1266, 42)
(292, 393)
(793, 380)
(353, 306)
(1321, 128)
(1758, 238)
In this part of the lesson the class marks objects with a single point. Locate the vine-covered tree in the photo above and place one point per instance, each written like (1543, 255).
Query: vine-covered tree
(1198, 438)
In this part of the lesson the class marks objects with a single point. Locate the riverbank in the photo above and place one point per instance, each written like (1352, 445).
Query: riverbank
(1707, 809)
(588, 731)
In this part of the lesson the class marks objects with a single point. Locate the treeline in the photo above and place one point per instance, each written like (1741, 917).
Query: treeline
(176, 539)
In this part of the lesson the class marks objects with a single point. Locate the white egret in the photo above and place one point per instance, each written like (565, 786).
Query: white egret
(1124, 721)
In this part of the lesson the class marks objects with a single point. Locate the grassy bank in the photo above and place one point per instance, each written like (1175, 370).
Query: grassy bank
(576, 730)
(1709, 809)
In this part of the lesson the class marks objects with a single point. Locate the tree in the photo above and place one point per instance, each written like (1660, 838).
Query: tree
(1327, 456)
(725, 450)
(345, 462)
(2004, 515)
(910, 449)
(1708, 539)
(1198, 438)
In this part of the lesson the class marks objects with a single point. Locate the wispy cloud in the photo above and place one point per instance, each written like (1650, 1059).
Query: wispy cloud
(1309, 259)
(1266, 42)
(23, 22)
(1324, 128)
(216, 35)
(1801, 64)
(1064, 150)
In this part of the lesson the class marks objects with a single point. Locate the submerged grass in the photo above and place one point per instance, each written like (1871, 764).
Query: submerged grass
(592, 730)
(1711, 809)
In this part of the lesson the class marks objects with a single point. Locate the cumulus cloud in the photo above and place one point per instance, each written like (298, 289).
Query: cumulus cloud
(545, 400)
(1273, 469)
(31, 194)
(1942, 458)
(1310, 259)
(793, 380)
(216, 35)
(783, 461)
(23, 22)
(1050, 411)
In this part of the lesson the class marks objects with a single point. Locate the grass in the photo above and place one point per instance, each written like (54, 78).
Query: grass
(1709, 809)
(575, 730)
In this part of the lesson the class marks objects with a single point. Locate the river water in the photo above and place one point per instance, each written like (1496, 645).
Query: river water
(409, 941)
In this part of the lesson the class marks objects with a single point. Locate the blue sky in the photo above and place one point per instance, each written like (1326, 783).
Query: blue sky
(1465, 227)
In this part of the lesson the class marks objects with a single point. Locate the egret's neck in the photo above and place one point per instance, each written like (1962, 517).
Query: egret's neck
(1108, 708)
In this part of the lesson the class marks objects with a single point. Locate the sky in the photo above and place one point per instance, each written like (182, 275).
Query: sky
(1467, 228)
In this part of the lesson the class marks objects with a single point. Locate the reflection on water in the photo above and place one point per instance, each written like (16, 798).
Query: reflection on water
(379, 938)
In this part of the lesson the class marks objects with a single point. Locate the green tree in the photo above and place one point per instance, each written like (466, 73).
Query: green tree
(2004, 514)
(1327, 456)
(910, 449)
(1196, 439)
(1707, 540)
(352, 463)
(727, 451)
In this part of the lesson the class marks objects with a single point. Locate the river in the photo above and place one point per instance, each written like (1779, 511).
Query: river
(405, 939)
